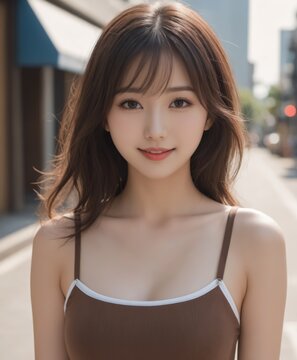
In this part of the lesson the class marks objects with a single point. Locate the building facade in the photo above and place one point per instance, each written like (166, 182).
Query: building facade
(229, 19)
(43, 46)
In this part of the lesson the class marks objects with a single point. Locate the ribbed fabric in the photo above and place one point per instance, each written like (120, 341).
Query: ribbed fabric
(203, 325)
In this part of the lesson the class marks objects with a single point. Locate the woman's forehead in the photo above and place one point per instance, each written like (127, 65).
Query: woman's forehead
(174, 74)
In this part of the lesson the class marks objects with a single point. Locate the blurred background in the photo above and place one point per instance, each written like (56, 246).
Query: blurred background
(44, 45)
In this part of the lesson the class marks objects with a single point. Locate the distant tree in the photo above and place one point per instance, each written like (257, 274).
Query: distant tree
(273, 100)
(253, 109)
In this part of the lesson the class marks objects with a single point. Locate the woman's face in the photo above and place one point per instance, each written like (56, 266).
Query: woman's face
(174, 120)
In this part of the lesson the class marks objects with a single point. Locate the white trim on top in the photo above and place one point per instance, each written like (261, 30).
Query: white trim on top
(196, 294)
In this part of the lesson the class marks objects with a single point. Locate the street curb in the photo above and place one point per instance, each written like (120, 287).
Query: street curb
(17, 240)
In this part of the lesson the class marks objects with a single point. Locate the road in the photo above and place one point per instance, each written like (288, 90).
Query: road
(265, 182)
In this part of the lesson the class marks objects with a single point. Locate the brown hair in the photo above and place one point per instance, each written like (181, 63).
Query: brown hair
(88, 165)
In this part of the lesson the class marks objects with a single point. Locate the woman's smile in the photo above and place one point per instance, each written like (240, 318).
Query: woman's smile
(156, 156)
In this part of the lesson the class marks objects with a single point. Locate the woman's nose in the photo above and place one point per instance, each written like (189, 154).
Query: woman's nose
(155, 125)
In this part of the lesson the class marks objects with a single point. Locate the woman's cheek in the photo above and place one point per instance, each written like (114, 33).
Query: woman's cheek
(124, 134)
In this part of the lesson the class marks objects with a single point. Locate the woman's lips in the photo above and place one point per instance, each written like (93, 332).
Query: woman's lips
(156, 156)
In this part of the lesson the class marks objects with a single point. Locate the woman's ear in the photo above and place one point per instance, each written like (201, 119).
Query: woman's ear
(208, 124)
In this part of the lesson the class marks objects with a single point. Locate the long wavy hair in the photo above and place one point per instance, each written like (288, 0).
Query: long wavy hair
(88, 172)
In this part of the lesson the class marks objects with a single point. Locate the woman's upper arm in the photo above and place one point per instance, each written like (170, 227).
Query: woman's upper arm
(263, 306)
(47, 298)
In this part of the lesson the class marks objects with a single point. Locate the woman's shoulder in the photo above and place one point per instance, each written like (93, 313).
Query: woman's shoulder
(258, 226)
(260, 237)
(50, 236)
(48, 257)
(56, 227)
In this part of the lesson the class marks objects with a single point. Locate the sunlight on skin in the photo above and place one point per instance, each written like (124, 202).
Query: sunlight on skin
(173, 120)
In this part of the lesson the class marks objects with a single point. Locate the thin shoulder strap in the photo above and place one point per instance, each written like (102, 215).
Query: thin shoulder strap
(77, 245)
(226, 242)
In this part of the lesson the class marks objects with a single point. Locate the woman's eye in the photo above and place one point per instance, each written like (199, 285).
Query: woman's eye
(131, 102)
(179, 101)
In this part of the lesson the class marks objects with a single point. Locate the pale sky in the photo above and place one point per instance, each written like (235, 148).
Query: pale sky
(266, 18)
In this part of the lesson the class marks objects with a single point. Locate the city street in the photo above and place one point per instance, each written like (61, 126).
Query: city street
(266, 182)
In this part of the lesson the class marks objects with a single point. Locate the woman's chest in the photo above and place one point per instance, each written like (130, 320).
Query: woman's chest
(153, 265)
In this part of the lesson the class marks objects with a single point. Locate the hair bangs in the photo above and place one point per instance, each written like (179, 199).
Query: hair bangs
(154, 65)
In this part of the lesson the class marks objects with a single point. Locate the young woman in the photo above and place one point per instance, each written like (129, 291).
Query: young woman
(160, 261)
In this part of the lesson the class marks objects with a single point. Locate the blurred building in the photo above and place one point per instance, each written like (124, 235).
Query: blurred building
(287, 117)
(286, 88)
(43, 46)
(293, 115)
(286, 63)
(293, 51)
(229, 19)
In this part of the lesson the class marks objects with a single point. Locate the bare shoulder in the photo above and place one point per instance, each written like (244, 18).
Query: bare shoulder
(56, 227)
(257, 229)
(50, 237)
(261, 240)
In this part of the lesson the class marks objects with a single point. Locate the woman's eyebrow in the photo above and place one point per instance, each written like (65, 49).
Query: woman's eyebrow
(171, 89)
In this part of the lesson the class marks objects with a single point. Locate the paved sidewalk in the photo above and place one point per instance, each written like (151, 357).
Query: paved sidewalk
(12, 222)
(17, 229)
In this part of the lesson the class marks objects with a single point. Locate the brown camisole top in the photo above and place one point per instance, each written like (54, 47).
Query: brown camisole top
(202, 325)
